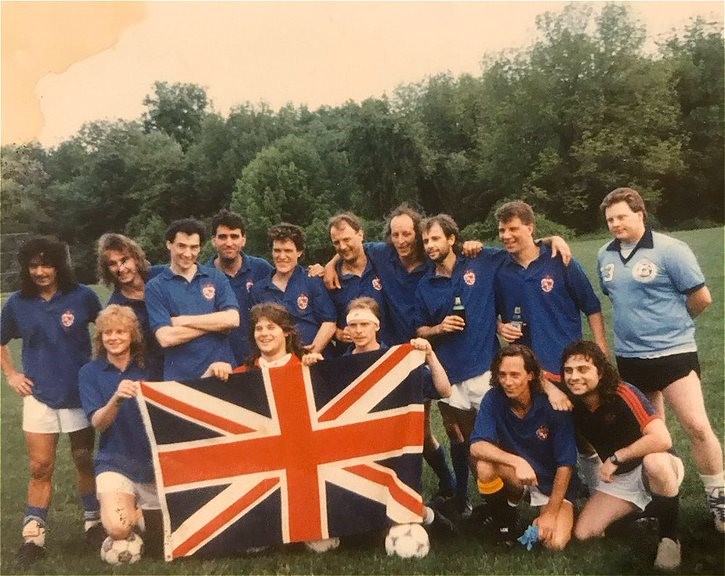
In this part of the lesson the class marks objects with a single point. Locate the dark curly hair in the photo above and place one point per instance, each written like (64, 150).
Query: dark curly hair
(47, 251)
(608, 375)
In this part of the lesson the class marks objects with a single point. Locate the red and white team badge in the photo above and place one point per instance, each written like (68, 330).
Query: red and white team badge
(377, 284)
(208, 290)
(542, 433)
(469, 277)
(302, 301)
(67, 318)
(249, 285)
(547, 283)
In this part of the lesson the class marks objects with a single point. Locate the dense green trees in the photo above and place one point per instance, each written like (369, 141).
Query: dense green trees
(584, 109)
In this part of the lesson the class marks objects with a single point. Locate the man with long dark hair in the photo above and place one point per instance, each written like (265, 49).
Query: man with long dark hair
(50, 314)
(638, 468)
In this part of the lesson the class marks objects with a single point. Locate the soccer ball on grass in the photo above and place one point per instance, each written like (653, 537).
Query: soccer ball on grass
(127, 551)
(407, 541)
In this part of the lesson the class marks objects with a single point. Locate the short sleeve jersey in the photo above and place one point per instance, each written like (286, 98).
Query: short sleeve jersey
(168, 295)
(352, 286)
(124, 446)
(552, 297)
(544, 437)
(615, 424)
(649, 292)
(470, 352)
(253, 269)
(305, 298)
(56, 341)
(399, 290)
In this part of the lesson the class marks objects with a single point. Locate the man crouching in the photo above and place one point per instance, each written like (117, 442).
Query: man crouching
(521, 445)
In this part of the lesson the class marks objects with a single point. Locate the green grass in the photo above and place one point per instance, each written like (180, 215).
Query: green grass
(629, 552)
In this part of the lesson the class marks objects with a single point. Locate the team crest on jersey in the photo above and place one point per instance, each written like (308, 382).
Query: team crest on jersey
(469, 277)
(547, 283)
(645, 271)
(542, 433)
(208, 290)
(607, 272)
(249, 285)
(302, 301)
(67, 318)
(377, 284)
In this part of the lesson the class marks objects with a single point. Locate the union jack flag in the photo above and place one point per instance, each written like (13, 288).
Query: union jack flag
(287, 454)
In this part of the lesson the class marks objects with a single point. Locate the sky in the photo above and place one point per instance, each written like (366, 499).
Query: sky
(66, 63)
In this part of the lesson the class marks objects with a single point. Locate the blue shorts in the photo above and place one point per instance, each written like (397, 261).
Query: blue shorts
(656, 374)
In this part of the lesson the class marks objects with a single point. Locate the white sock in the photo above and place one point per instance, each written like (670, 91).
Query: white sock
(713, 481)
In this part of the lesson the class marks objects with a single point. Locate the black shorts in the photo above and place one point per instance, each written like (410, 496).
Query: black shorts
(656, 374)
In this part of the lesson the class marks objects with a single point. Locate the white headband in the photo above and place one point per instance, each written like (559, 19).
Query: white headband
(362, 315)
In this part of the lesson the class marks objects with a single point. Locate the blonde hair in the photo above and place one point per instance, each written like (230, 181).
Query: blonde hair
(115, 315)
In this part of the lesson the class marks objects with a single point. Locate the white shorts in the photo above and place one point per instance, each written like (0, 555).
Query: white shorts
(145, 492)
(537, 497)
(469, 393)
(41, 418)
(631, 486)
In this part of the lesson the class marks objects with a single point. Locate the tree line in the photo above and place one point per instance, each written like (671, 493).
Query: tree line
(559, 124)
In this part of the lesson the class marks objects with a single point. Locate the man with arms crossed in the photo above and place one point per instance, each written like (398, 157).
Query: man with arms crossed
(191, 308)
(520, 443)
(51, 314)
(638, 469)
(657, 288)
(242, 270)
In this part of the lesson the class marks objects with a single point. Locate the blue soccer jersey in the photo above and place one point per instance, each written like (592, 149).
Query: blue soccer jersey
(169, 295)
(399, 290)
(552, 297)
(56, 342)
(305, 298)
(253, 269)
(124, 446)
(470, 352)
(649, 292)
(352, 286)
(544, 437)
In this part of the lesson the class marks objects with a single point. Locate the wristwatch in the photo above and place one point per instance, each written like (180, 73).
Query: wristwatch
(614, 460)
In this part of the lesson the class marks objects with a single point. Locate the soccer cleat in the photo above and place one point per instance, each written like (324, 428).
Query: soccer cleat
(95, 535)
(668, 554)
(716, 503)
(441, 526)
(29, 552)
(503, 530)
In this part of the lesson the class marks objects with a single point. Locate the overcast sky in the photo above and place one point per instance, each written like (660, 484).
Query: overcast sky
(64, 64)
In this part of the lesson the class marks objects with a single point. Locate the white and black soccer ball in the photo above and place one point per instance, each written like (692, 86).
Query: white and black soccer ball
(407, 541)
(127, 551)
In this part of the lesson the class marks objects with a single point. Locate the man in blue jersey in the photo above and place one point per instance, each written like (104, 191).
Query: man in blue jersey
(637, 467)
(548, 295)
(521, 444)
(356, 273)
(465, 347)
(657, 289)
(242, 270)
(191, 308)
(288, 284)
(123, 464)
(51, 314)
(122, 265)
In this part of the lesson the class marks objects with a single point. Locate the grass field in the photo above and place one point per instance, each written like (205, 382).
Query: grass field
(630, 551)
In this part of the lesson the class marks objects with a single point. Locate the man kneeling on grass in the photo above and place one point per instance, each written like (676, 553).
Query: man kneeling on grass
(639, 466)
(521, 445)
(124, 469)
